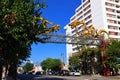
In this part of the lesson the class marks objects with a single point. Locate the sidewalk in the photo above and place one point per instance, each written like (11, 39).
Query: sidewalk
(99, 77)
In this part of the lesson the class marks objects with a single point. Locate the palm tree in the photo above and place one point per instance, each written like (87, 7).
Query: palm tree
(113, 53)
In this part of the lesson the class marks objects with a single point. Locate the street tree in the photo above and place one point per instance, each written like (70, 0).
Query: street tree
(112, 54)
(57, 65)
(20, 25)
(87, 60)
(47, 64)
(28, 67)
(51, 64)
(74, 62)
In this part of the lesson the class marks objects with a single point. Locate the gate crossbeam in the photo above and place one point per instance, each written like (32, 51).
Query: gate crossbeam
(66, 39)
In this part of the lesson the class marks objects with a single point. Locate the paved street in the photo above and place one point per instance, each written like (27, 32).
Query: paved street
(33, 77)
(82, 78)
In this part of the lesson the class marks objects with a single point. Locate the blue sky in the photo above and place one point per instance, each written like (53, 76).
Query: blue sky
(59, 12)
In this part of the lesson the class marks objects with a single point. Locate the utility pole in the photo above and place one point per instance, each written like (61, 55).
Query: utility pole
(62, 59)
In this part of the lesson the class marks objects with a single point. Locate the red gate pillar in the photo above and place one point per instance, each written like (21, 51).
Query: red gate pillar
(102, 48)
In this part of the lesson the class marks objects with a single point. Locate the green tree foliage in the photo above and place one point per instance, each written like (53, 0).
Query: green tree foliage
(113, 53)
(87, 59)
(20, 25)
(57, 64)
(114, 48)
(28, 67)
(74, 62)
(47, 64)
(51, 64)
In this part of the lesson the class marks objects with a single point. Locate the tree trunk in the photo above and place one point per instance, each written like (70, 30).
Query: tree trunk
(12, 73)
(15, 75)
(0, 70)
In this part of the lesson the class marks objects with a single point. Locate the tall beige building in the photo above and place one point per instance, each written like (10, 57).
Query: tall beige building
(103, 14)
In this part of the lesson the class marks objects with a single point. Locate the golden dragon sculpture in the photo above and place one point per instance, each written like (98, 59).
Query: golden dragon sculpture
(89, 32)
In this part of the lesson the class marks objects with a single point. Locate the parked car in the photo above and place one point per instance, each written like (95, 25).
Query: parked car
(39, 73)
(55, 72)
(71, 73)
(77, 73)
(50, 73)
(64, 73)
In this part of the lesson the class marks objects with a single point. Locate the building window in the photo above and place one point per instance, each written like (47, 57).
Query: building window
(73, 18)
(86, 3)
(111, 27)
(81, 12)
(117, 6)
(111, 15)
(110, 10)
(84, 0)
(88, 7)
(115, 22)
(75, 49)
(109, 4)
(110, 0)
(79, 9)
(112, 33)
(73, 31)
(111, 21)
(116, 33)
(117, 1)
(88, 17)
(79, 27)
(118, 22)
(87, 12)
(78, 14)
(118, 17)
(90, 21)
(80, 18)
(118, 11)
